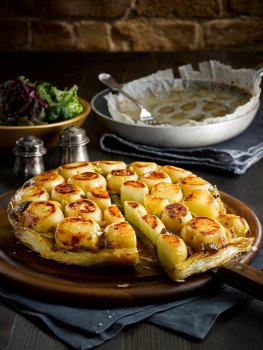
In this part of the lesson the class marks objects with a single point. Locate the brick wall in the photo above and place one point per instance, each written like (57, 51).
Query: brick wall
(131, 25)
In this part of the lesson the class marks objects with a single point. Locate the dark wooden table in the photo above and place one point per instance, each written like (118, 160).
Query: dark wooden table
(240, 328)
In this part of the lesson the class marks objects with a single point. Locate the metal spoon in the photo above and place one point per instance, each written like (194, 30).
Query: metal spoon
(145, 115)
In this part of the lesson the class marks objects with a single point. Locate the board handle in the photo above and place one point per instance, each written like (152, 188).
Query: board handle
(243, 277)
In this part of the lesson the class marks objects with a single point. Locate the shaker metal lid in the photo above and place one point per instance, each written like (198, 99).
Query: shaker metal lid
(73, 136)
(29, 146)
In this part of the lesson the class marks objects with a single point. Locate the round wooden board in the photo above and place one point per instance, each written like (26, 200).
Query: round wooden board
(100, 287)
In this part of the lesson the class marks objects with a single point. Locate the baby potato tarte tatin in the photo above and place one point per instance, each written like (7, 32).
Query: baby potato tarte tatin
(94, 213)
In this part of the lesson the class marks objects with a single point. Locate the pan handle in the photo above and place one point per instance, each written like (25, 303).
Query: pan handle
(259, 69)
(243, 277)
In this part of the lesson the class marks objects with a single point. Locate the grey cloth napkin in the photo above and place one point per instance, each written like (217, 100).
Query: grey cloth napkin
(85, 328)
(233, 156)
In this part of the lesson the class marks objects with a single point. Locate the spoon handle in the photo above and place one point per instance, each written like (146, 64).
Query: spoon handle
(107, 79)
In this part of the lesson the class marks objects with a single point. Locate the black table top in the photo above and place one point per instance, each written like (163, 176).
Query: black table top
(239, 328)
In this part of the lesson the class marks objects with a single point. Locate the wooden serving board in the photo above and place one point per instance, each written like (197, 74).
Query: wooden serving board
(146, 283)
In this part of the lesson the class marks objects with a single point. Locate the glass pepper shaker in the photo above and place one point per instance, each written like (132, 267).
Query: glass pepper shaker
(73, 145)
(29, 151)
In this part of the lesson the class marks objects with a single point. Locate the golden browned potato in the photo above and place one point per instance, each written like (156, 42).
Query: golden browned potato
(143, 167)
(133, 191)
(193, 183)
(66, 193)
(100, 196)
(113, 215)
(202, 203)
(171, 250)
(30, 194)
(120, 235)
(151, 226)
(106, 166)
(155, 205)
(154, 177)
(88, 180)
(237, 225)
(84, 208)
(42, 216)
(176, 174)
(171, 192)
(74, 233)
(133, 212)
(71, 169)
(117, 177)
(48, 180)
(204, 234)
(175, 216)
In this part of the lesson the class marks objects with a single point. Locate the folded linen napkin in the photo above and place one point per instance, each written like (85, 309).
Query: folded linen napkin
(234, 156)
(85, 328)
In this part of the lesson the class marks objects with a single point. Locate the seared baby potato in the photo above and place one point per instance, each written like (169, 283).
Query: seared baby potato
(204, 234)
(154, 177)
(155, 205)
(113, 215)
(48, 180)
(151, 226)
(176, 174)
(117, 177)
(237, 225)
(202, 203)
(88, 180)
(31, 194)
(71, 169)
(133, 212)
(73, 233)
(175, 216)
(43, 216)
(106, 166)
(193, 183)
(66, 193)
(84, 208)
(120, 235)
(171, 192)
(133, 191)
(171, 249)
(100, 196)
(143, 167)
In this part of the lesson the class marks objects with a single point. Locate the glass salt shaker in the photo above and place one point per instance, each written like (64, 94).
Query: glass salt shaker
(29, 151)
(73, 145)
